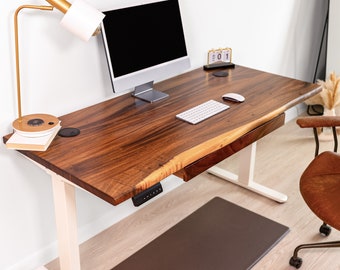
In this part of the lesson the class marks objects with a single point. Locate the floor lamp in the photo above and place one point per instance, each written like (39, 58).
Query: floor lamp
(82, 20)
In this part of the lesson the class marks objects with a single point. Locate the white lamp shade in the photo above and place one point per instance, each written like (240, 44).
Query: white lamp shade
(82, 19)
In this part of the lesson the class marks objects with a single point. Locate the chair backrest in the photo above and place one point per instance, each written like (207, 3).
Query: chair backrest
(316, 122)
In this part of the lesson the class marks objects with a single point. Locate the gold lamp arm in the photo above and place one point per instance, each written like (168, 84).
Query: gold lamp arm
(16, 36)
(62, 5)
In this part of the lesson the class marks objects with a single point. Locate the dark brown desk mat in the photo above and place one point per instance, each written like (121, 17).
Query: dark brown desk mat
(219, 235)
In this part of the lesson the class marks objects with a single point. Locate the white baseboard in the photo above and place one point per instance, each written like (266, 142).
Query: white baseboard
(295, 111)
(37, 259)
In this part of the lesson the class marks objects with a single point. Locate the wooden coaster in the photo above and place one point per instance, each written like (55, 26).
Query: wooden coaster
(35, 124)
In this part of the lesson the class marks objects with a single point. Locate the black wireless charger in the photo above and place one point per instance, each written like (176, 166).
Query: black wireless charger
(68, 132)
(221, 73)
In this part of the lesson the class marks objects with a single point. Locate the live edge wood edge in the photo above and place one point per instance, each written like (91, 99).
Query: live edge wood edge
(213, 148)
(210, 160)
(110, 171)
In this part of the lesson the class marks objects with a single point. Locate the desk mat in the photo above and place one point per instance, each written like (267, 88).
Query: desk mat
(219, 235)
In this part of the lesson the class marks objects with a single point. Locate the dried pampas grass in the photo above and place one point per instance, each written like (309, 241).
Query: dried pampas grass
(330, 93)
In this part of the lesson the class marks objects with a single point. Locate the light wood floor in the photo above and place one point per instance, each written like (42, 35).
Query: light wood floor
(280, 160)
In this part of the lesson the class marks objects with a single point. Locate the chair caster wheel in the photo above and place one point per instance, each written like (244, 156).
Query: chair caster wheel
(296, 262)
(325, 229)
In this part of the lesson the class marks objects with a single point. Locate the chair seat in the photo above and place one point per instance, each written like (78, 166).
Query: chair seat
(320, 188)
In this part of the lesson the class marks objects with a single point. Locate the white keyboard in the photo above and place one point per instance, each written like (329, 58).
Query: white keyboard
(202, 111)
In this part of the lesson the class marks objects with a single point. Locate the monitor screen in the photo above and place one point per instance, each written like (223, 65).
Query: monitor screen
(144, 43)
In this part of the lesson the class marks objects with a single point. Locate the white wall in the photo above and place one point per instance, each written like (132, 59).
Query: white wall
(61, 73)
(333, 59)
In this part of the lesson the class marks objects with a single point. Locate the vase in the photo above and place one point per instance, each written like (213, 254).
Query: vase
(329, 112)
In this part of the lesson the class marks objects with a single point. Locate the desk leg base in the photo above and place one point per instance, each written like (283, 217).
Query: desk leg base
(255, 187)
(66, 221)
(246, 173)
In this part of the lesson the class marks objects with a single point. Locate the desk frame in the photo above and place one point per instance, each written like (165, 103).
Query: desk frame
(245, 177)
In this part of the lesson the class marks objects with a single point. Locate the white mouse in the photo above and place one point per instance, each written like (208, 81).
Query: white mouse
(233, 97)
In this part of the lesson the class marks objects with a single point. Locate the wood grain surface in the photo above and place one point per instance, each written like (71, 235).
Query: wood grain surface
(127, 145)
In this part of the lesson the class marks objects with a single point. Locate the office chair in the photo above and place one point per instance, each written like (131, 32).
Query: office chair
(320, 184)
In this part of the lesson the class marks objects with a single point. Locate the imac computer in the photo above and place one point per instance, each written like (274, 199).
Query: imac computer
(144, 43)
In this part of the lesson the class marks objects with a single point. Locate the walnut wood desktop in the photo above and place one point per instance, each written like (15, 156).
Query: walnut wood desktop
(127, 145)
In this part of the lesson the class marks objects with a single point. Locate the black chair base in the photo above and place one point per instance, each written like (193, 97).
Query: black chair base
(297, 261)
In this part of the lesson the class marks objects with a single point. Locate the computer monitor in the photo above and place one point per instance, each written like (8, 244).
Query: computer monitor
(144, 43)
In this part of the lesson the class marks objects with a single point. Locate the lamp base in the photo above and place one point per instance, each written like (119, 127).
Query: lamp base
(35, 125)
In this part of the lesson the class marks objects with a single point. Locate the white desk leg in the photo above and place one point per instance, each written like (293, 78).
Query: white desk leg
(66, 220)
(245, 177)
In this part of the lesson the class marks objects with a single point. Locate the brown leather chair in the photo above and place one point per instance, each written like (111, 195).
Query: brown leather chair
(320, 184)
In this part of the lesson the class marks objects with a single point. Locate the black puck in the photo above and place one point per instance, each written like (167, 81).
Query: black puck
(68, 132)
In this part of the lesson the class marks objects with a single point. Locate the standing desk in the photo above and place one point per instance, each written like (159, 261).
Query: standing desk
(126, 145)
